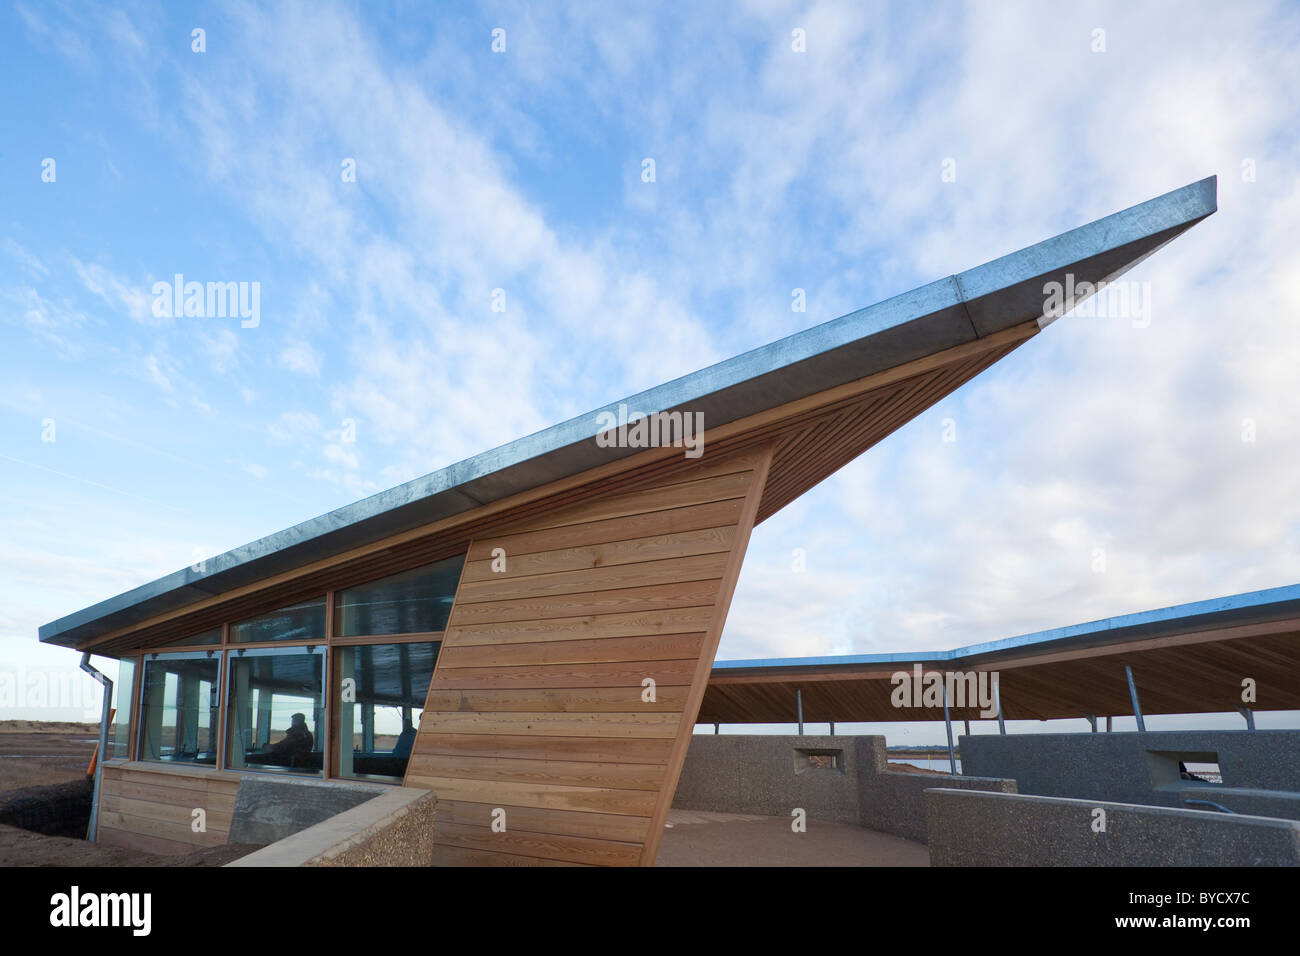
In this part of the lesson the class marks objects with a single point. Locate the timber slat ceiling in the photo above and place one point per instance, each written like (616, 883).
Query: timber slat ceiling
(1180, 675)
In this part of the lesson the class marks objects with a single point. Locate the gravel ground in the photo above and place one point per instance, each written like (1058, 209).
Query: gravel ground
(24, 848)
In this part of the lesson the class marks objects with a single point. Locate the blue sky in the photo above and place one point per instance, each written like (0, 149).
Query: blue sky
(377, 356)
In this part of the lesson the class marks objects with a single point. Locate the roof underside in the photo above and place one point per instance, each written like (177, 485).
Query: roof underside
(1191, 658)
(823, 396)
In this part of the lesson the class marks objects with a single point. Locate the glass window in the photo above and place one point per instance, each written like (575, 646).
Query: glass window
(276, 715)
(193, 640)
(119, 747)
(382, 692)
(413, 602)
(298, 622)
(179, 709)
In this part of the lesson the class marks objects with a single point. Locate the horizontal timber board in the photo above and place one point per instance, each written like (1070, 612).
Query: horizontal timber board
(143, 842)
(170, 812)
(591, 534)
(604, 650)
(681, 620)
(698, 567)
(637, 803)
(614, 554)
(626, 749)
(552, 724)
(209, 783)
(151, 826)
(557, 700)
(642, 501)
(618, 601)
(621, 674)
(606, 775)
(210, 800)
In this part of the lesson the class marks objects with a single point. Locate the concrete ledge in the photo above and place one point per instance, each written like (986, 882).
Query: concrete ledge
(269, 808)
(1143, 767)
(977, 828)
(393, 829)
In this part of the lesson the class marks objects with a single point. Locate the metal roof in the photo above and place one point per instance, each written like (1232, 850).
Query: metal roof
(943, 314)
(1190, 658)
(1250, 607)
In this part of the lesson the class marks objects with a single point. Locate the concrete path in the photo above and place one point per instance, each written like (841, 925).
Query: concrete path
(700, 838)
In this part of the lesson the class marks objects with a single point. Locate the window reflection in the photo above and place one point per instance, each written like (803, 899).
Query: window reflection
(276, 715)
(118, 744)
(382, 688)
(413, 602)
(180, 709)
(304, 621)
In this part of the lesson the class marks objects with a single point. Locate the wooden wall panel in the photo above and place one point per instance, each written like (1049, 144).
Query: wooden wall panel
(150, 808)
(536, 703)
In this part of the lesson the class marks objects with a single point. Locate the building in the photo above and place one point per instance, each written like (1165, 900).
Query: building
(534, 628)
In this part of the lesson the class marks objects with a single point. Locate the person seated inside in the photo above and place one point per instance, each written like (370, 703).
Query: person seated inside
(405, 740)
(294, 749)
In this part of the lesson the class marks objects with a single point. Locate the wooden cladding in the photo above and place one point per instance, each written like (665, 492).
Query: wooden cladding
(152, 808)
(537, 714)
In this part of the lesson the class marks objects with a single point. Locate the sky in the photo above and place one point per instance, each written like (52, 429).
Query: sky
(385, 174)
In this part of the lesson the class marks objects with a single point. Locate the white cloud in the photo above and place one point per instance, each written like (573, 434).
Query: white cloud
(299, 356)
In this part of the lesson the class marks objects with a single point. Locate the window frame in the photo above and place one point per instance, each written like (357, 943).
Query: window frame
(335, 692)
(244, 651)
(328, 645)
(142, 662)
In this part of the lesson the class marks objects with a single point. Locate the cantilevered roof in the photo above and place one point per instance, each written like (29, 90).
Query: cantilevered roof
(1190, 658)
(982, 303)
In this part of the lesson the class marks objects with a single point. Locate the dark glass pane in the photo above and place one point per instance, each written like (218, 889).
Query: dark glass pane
(194, 640)
(383, 689)
(300, 622)
(118, 746)
(413, 602)
(276, 717)
(179, 710)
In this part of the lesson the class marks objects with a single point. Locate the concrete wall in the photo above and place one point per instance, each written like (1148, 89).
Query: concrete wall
(771, 775)
(1261, 769)
(971, 828)
(269, 808)
(893, 801)
(744, 773)
(395, 828)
